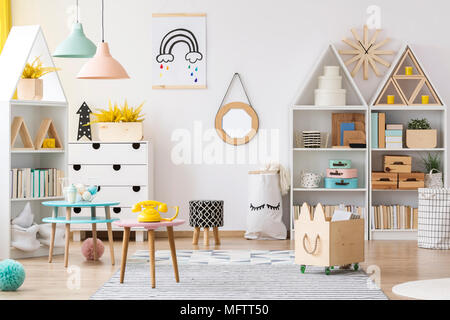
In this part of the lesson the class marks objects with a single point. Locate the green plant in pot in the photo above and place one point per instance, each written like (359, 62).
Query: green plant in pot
(433, 176)
(420, 135)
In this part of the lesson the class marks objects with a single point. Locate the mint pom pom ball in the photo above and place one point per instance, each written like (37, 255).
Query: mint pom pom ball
(12, 275)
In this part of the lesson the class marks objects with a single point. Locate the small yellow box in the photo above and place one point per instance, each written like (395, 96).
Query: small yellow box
(425, 99)
(390, 99)
(48, 143)
(408, 71)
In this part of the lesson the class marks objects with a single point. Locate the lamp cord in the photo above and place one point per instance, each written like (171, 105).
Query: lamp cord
(103, 23)
(77, 12)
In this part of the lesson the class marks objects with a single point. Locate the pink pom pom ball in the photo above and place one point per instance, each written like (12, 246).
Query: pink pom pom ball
(87, 248)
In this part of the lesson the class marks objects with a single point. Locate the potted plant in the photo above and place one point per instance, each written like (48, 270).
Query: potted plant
(433, 176)
(118, 123)
(420, 135)
(31, 86)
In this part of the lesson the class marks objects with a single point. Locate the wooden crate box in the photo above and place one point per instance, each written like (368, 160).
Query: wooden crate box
(321, 242)
(397, 164)
(411, 181)
(384, 180)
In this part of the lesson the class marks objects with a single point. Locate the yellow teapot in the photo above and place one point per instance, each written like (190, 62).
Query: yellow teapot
(151, 211)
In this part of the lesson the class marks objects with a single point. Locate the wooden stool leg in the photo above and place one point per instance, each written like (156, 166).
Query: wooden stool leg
(206, 236)
(110, 235)
(173, 252)
(52, 243)
(126, 238)
(151, 250)
(66, 248)
(94, 240)
(216, 235)
(196, 234)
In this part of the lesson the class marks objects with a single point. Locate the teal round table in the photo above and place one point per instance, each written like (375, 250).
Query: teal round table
(68, 220)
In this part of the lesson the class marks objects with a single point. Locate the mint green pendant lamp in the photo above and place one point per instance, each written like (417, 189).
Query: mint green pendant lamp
(77, 45)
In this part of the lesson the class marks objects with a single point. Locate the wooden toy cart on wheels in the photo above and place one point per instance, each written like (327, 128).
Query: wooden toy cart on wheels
(322, 242)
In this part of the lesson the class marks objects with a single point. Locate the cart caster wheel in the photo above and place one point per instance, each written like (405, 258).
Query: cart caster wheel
(327, 271)
(332, 267)
(302, 268)
(356, 267)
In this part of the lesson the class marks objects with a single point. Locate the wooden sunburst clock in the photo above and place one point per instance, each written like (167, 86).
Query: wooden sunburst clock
(366, 52)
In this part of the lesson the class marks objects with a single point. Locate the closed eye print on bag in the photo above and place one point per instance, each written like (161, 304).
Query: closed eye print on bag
(253, 208)
(277, 207)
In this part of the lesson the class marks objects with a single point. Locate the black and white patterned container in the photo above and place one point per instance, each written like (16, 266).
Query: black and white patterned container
(206, 213)
(311, 139)
(434, 218)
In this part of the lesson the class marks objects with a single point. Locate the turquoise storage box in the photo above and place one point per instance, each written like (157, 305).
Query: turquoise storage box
(336, 183)
(340, 164)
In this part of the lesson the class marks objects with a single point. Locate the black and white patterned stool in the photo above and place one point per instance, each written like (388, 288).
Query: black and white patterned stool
(206, 214)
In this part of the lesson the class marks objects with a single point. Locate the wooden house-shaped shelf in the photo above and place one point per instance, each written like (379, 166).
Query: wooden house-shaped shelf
(25, 123)
(407, 89)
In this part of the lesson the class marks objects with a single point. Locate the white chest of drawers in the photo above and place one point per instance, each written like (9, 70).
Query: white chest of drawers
(122, 170)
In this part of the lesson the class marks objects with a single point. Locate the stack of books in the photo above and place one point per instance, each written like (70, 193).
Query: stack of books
(35, 183)
(394, 136)
(329, 210)
(389, 217)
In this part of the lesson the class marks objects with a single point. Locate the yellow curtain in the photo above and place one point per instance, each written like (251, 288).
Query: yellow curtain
(5, 21)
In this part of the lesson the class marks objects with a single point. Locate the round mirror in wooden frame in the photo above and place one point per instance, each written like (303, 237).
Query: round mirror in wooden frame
(245, 130)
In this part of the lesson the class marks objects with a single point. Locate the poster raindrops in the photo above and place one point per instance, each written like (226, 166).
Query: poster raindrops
(178, 51)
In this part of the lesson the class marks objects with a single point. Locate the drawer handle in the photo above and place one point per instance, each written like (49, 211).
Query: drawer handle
(77, 210)
(96, 146)
(387, 169)
(398, 163)
(342, 183)
(76, 167)
(117, 209)
(116, 167)
(136, 188)
(336, 173)
(411, 179)
(98, 189)
(339, 164)
(136, 146)
(385, 179)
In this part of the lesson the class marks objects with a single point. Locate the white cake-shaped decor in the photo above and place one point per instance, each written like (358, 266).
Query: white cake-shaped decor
(330, 92)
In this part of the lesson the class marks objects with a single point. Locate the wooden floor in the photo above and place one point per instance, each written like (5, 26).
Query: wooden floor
(398, 261)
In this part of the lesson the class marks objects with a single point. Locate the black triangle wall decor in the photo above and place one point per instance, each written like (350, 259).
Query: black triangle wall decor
(84, 130)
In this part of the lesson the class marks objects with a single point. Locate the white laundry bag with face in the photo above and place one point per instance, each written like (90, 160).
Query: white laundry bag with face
(265, 207)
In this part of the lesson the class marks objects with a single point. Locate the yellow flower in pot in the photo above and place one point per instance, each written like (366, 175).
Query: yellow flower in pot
(419, 135)
(118, 123)
(31, 86)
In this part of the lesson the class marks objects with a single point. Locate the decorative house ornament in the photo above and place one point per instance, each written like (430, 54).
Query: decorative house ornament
(366, 52)
(47, 127)
(77, 45)
(179, 51)
(236, 122)
(84, 123)
(18, 126)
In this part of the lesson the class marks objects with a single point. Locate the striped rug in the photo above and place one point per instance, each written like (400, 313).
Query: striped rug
(236, 280)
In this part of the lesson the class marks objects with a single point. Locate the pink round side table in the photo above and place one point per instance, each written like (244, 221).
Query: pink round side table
(151, 227)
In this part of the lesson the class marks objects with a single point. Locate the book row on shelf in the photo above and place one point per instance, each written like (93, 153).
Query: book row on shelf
(35, 183)
(394, 217)
(330, 209)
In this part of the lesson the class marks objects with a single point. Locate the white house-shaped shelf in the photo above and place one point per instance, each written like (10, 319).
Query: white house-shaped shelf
(23, 118)
(329, 57)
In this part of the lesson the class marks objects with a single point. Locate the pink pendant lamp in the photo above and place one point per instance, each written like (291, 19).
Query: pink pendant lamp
(102, 65)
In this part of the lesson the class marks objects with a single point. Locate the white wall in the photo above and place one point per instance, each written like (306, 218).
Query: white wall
(273, 44)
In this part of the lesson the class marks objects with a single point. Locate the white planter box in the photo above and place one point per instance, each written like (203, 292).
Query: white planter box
(117, 131)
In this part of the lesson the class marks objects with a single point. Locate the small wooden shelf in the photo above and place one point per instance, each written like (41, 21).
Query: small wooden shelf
(37, 199)
(38, 103)
(329, 108)
(331, 149)
(422, 107)
(328, 190)
(407, 150)
(394, 230)
(25, 151)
